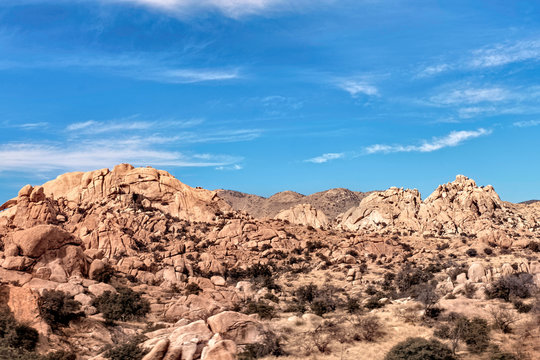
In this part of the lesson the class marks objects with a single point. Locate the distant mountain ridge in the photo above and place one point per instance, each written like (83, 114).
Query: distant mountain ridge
(331, 202)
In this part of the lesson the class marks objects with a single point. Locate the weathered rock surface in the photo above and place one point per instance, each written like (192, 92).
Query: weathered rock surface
(304, 214)
(459, 207)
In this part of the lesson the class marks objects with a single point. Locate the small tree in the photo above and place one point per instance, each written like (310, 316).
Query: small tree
(420, 349)
(124, 305)
(58, 308)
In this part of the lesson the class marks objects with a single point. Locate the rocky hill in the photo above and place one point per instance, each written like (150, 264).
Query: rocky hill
(130, 263)
(331, 202)
(456, 208)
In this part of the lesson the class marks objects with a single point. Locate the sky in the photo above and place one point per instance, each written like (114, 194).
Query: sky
(263, 96)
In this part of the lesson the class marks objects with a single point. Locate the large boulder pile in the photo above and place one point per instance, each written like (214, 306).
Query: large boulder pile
(456, 208)
(304, 214)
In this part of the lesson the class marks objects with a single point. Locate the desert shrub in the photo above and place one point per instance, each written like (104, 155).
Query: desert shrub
(499, 355)
(427, 296)
(314, 245)
(503, 319)
(475, 333)
(488, 251)
(420, 349)
(127, 351)
(16, 335)
(511, 286)
(260, 308)
(58, 308)
(367, 328)
(60, 355)
(471, 252)
(409, 277)
(192, 289)
(306, 293)
(124, 305)
(470, 290)
(534, 246)
(105, 274)
(521, 307)
(269, 346)
(373, 303)
(353, 305)
(323, 304)
(371, 290)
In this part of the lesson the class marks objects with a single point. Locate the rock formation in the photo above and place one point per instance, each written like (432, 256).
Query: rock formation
(304, 214)
(458, 207)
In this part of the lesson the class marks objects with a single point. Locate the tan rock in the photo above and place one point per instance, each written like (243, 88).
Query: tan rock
(35, 241)
(304, 214)
(222, 350)
(241, 328)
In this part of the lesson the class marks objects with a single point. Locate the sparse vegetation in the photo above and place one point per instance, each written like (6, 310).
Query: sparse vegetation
(420, 349)
(124, 305)
(58, 308)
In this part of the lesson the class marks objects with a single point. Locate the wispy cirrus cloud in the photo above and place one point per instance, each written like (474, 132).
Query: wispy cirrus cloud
(358, 87)
(471, 96)
(507, 53)
(454, 138)
(158, 67)
(28, 157)
(490, 56)
(325, 158)
(433, 70)
(181, 8)
(527, 123)
(129, 123)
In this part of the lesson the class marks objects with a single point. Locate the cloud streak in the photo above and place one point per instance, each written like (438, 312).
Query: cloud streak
(503, 54)
(454, 138)
(27, 157)
(471, 96)
(356, 88)
(528, 123)
(325, 158)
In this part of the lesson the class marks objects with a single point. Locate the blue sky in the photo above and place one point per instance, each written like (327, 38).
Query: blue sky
(268, 95)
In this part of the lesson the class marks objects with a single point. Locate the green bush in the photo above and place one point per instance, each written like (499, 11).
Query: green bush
(127, 351)
(420, 349)
(124, 305)
(58, 308)
(16, 335)
(104, 275)
(269, 346)
(475, 334)
(511, 286)
(409, 277)
(261, 308)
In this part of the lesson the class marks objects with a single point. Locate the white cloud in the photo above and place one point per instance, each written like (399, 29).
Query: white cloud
(356, 88)
(230, 8)
(41, 157)
(503, 54)
(528, 123)
(229, 168)
(128, 124)
(433, 70)
(325, 158)
(139, 66)
(455, 138)
(471, 96)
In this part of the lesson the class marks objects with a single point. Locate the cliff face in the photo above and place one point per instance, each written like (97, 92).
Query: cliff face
(458, 207)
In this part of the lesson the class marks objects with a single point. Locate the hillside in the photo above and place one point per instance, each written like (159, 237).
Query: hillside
(131, 263)
(331, 202)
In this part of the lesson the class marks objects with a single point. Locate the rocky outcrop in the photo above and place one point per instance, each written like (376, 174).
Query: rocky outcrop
(136, 187)
(459, 207)
(304, 214)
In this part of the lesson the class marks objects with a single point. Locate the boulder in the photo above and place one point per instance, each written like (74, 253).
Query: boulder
(476, 272)
(221, 350)
(100, 288)
(240, 328)
(35, 241)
